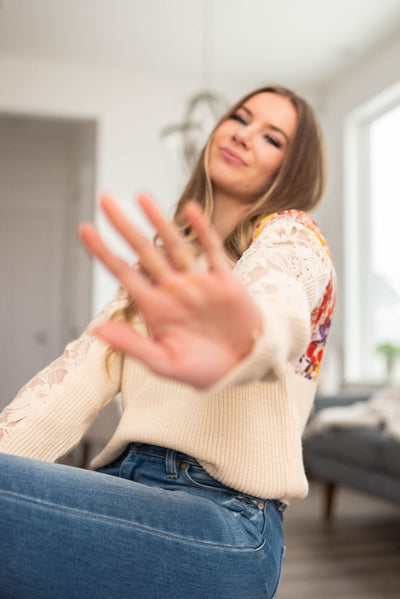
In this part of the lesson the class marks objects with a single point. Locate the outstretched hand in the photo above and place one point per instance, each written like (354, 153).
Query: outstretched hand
(201, 323)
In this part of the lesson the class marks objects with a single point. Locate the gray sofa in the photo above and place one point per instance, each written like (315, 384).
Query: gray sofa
(363, 459)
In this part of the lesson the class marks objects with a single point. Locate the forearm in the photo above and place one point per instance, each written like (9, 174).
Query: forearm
(48, 418)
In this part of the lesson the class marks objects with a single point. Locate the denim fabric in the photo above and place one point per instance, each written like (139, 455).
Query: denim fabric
(159, 527)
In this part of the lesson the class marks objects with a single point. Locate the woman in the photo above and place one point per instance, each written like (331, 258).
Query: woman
(216, 341)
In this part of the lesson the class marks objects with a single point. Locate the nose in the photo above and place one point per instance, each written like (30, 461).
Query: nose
(242, 136)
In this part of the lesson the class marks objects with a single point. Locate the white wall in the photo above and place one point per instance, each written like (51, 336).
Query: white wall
(376, 72)
(130, 113)
(130, 110)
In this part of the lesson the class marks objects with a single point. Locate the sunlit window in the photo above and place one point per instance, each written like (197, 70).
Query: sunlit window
(372, 238)
(385, 235)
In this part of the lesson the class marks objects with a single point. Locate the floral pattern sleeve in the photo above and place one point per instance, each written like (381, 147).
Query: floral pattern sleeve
(289, 271)
(319, 278)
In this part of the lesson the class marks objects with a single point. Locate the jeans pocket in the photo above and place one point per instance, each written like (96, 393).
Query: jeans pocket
(250, 510)
(113, 467)
(196, 476)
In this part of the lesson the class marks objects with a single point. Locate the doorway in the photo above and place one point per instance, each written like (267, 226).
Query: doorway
(47, 186)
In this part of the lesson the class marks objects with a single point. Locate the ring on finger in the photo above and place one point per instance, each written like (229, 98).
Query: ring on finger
(183, 262)
(170, 286)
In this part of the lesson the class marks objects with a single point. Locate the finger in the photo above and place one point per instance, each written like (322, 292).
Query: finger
(207, 236)
(151, 258)
(125, 339)
(174, 244)
(135, 283)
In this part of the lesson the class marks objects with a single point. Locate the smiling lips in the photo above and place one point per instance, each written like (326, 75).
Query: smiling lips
(231, 156)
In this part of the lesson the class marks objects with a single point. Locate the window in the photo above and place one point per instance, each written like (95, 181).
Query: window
(372, 234)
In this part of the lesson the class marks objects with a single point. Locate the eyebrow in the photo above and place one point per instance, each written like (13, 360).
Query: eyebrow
(273, 127)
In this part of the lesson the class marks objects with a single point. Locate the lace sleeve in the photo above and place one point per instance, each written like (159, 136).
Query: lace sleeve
(46, 391)
(287, 269)
(287, 261)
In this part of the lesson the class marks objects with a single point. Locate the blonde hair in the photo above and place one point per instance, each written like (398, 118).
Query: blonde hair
(299, 183)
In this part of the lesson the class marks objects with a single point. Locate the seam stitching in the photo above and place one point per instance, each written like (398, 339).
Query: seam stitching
(125, 523)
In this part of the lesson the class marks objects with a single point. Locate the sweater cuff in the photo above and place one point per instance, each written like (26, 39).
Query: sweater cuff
(284, 337)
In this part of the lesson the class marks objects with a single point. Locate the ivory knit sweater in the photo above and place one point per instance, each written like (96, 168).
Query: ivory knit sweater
(245, 430)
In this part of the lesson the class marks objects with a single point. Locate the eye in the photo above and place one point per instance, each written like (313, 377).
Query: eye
(273, 141)
(239, 119)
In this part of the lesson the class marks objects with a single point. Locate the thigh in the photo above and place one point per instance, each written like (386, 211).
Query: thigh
(67, 532)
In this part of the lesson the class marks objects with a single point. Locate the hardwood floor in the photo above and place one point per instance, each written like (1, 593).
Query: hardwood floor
(356, 556)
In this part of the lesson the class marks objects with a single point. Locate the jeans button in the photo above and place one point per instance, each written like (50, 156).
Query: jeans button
(260, 505)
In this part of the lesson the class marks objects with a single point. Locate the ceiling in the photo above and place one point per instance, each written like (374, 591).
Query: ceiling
(227, 43)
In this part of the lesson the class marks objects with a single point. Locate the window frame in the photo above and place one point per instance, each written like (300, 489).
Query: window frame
(358, 359)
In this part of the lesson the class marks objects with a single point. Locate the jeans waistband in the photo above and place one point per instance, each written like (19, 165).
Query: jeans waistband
(174, 458)
(163, 452)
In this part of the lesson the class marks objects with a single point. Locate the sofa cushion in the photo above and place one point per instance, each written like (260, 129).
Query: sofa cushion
(367, 447)
(391, 456)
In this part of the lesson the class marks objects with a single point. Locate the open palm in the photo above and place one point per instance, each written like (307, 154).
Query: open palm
(201, 322)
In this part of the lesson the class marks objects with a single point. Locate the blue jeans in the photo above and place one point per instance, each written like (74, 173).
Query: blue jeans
(159, 527)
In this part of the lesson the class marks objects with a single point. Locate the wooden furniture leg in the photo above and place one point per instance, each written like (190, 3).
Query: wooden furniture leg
(329, 493)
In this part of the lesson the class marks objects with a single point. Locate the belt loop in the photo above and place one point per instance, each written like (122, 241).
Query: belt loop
(170, 463)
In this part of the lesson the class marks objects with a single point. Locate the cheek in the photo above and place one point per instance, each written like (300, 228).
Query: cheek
(218, 139)
(267, 169)
(212, 156)
(269, 165)
(221, 133)
(214, 143)
(272, 160)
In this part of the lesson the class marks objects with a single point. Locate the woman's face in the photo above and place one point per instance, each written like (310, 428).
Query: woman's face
(247, 150)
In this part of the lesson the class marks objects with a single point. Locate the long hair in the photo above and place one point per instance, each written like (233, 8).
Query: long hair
(299, 183)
